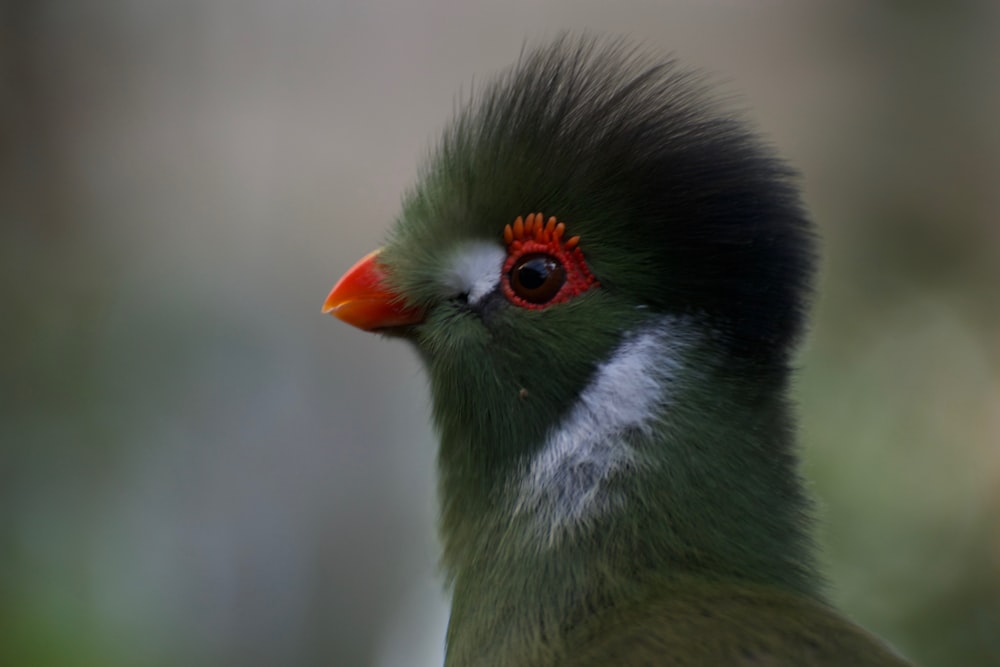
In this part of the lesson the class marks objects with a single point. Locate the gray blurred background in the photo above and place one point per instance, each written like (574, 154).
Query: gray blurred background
(198, 468)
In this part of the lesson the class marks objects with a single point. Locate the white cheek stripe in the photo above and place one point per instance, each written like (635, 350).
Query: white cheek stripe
(566, 482)
(475, 269)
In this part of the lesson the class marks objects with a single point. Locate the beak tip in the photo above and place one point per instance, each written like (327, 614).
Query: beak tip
(330, 306)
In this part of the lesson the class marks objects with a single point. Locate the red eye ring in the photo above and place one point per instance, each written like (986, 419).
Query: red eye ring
(555, 270)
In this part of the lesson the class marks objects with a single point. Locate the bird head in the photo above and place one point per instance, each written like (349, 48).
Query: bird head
(594, 252)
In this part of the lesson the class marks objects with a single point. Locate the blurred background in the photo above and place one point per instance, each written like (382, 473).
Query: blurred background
(198, 468)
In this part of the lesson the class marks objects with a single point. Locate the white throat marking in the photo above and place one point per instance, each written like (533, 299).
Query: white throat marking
(566, 483)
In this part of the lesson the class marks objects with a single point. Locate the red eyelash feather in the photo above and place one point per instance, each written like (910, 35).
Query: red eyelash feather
(533, 235)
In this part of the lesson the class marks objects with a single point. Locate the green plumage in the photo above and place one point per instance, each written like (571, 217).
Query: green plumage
(681, 540)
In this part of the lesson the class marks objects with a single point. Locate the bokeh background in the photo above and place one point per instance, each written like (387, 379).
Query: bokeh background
(198, 468)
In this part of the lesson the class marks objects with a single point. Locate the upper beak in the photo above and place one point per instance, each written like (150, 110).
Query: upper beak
(361, 298)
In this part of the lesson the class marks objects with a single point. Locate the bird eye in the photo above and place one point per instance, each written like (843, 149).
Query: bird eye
(537, 278)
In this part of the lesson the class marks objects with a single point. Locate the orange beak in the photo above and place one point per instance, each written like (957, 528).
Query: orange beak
(362, 299)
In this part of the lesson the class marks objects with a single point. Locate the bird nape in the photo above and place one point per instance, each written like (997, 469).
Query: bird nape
(605, 275)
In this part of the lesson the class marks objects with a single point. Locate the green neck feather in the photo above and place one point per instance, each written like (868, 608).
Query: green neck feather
(713, 494)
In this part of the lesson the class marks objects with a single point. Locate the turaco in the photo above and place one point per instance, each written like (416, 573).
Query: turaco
(605, 276)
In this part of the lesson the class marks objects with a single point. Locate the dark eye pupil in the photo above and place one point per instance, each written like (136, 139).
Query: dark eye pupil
(533, 273)
(537, 278)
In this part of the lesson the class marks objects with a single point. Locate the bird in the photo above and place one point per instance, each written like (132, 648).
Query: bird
(606, 274)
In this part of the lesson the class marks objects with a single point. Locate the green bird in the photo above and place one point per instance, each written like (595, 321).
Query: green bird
(606, 275)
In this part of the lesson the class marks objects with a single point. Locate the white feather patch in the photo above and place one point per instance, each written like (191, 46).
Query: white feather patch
(475, 269)
(566, 483)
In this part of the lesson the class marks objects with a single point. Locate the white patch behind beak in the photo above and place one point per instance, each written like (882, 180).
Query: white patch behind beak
(475, 269)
